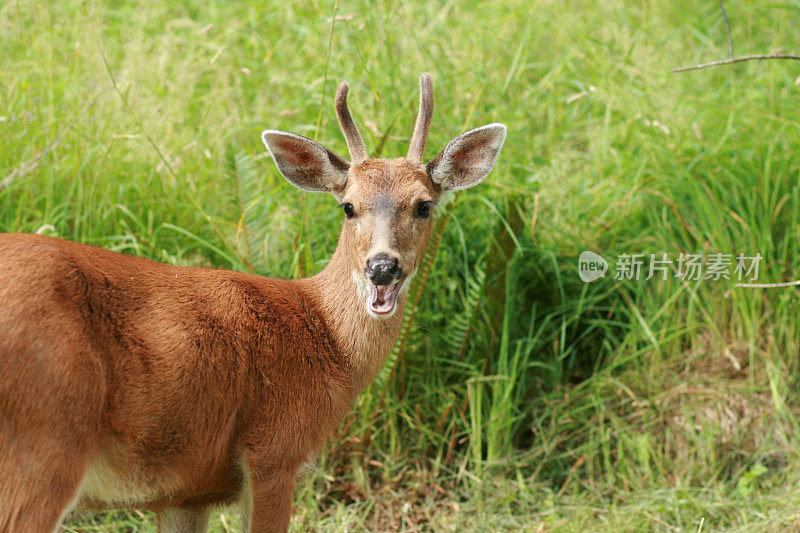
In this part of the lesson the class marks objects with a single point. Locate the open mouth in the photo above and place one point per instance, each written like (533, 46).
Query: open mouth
(383, 298)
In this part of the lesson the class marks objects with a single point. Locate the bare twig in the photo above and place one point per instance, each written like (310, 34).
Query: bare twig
(767, 285)
(26, 167)
(731, 59)
(755, 57)
(727, 30)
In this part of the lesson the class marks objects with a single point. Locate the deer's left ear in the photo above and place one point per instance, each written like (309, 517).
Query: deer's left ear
(306, 164)
(468, 158)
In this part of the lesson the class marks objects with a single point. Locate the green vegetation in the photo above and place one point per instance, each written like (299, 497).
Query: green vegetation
(518, 397)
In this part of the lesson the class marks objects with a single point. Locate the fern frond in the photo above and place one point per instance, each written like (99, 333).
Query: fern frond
(460, 326)
(253, 226)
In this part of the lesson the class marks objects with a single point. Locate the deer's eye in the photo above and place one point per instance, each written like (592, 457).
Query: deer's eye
(349, 212)
(424, 209)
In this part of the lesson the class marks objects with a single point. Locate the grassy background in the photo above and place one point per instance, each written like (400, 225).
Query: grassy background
(518, 396)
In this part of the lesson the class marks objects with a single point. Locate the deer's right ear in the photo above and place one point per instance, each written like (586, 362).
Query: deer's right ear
(305, 163)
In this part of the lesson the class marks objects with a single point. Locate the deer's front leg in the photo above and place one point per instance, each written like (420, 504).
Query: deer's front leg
(267, 497)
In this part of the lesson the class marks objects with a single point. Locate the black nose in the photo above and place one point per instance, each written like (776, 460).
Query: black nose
(382, 269)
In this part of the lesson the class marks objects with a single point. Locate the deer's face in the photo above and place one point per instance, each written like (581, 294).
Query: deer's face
(388, 204)
(388, 210)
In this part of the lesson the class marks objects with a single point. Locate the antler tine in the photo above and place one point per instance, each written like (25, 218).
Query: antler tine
(416, 150)
(355, 144)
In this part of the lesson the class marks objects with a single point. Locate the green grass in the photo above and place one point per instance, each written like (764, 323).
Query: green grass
(518, 397)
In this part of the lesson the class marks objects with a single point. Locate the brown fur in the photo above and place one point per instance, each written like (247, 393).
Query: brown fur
(130, 383)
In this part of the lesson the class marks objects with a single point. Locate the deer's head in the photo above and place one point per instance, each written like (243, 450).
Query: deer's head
(388, 204)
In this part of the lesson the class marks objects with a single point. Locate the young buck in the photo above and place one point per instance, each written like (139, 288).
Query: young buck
(130, 383)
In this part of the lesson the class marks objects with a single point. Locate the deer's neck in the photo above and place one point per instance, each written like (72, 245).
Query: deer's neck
(364, 340)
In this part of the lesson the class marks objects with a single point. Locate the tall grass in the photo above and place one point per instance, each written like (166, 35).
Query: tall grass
(518, 396)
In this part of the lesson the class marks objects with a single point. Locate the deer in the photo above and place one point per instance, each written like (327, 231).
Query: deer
(128, 383)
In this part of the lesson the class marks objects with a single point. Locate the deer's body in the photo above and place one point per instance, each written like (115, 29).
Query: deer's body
(129, 383)
(226, 361)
